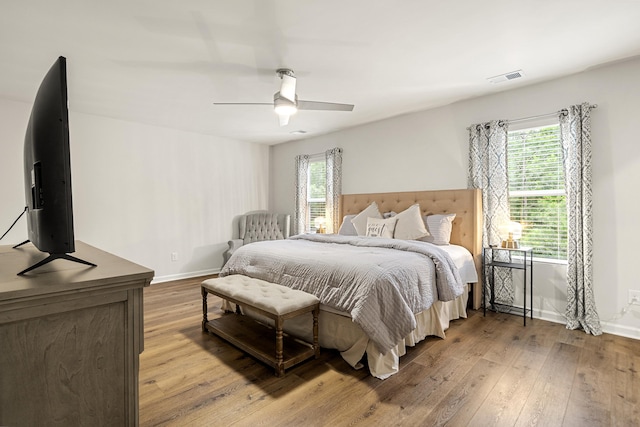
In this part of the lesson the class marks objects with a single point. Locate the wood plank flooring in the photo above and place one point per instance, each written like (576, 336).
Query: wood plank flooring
(489, 371)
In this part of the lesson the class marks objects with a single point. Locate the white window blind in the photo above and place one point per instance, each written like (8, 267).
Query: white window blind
(316, 191)
(536, 190)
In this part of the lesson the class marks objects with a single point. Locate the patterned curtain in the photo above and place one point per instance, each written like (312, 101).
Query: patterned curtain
(488, 171)
(575, 134)
(300, 214)
(334, 189)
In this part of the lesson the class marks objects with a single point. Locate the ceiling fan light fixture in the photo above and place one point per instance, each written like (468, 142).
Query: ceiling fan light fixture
(286, 110)
(283, 106)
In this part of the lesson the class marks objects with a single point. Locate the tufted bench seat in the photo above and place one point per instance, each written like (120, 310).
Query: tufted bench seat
(273, 301)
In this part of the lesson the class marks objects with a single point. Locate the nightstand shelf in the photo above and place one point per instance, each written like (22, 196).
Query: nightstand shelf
(510, 309)
(521, 259)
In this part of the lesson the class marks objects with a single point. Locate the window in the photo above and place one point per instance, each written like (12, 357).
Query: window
(537, 197)
(316, 191)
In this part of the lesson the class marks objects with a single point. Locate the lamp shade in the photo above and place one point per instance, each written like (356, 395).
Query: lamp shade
(510, 230)
(516, 230)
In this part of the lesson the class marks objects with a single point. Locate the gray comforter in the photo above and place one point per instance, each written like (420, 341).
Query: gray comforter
(381, 283)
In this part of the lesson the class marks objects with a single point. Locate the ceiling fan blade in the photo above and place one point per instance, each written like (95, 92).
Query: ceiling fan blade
(284, 119)
(288, 87)
(243, 103)
(330, 106)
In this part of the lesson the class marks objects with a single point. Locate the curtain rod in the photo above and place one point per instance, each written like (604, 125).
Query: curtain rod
(564, 111)
(539, 116)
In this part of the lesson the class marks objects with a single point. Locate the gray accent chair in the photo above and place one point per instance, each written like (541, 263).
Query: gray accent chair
(259, 226)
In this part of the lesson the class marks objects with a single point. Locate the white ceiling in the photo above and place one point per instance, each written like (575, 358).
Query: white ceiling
(164, 62)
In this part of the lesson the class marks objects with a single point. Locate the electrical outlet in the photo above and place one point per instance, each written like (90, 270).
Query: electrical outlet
(174, 256)
(634, 297)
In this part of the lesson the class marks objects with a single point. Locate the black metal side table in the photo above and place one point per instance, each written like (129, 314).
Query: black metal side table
(521, 259)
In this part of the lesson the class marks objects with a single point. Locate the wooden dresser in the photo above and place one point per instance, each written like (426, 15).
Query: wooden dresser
(70, 339)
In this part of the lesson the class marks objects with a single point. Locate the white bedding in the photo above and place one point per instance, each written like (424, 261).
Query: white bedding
(464, 261)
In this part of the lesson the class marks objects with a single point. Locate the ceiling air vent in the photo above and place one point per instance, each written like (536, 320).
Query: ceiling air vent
(506, 77)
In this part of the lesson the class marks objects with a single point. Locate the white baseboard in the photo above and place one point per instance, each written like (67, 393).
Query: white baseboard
(171, 277)
(607, 327)
(548, 315)
(623, 331)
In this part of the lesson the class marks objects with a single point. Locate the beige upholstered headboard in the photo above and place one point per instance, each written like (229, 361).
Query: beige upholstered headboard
(466, 204)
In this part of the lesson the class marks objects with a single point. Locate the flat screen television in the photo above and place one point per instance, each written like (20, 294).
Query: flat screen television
(47, 170)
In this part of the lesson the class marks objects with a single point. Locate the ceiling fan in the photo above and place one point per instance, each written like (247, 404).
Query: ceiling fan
(286, 102)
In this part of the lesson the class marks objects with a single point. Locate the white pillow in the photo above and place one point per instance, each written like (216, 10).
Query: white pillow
(381, 227)
(360, 220)
(439, 228)
(410, 225)
(347, 228)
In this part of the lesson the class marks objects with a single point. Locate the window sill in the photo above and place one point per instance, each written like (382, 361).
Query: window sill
(544, 260)
(550, 261)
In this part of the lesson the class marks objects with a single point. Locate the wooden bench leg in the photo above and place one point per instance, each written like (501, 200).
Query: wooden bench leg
(205, 309)
(279, 348)
(316, 345)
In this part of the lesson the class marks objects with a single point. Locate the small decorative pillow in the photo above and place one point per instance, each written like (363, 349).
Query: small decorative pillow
(347, 228)
(360, 220)
(439, 227)
(410, 225)
(381, 227)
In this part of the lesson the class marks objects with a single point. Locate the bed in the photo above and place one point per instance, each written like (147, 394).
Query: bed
(380, 329)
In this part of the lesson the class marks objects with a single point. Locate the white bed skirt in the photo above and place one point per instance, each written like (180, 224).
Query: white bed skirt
(337, 331)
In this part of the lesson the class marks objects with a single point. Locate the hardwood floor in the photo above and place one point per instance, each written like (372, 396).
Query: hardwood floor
(489, 371)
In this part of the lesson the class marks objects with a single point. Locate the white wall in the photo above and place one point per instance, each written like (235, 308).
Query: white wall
(143, 192)
(428, 150)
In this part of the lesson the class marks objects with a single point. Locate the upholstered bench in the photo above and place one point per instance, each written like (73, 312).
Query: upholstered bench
(272, 301)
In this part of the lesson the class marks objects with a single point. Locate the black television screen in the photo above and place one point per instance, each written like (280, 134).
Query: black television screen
(47, 166)
(47, 169)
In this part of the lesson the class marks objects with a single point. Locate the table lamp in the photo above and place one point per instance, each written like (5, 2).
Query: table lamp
(320, 224)
(510, 233)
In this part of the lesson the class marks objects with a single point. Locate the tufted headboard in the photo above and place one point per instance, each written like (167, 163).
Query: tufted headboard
(466, 204)
(261, 225)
